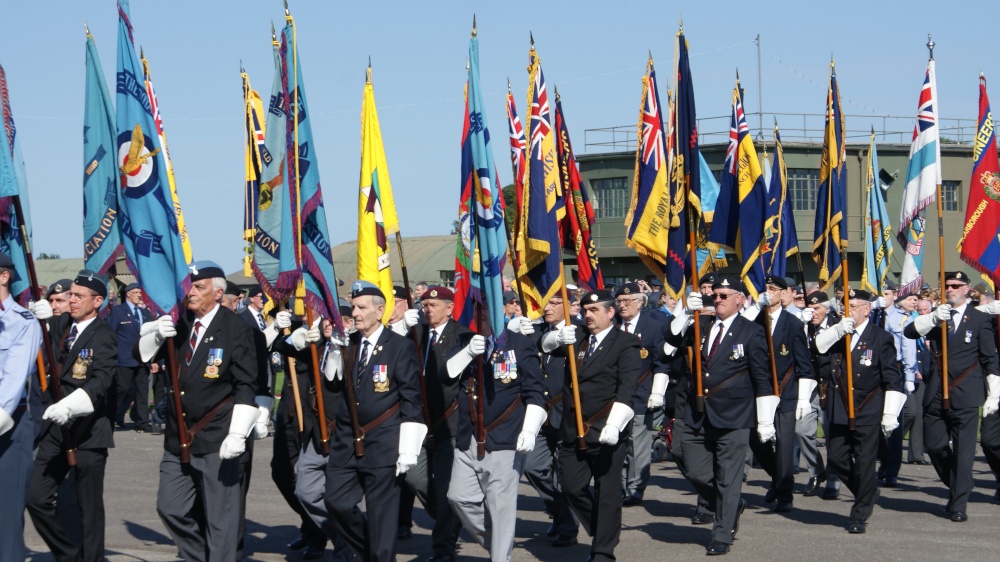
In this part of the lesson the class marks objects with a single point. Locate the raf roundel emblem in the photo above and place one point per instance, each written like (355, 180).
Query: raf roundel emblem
(137, 162)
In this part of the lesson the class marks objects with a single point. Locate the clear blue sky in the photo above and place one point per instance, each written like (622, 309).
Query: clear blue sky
(593, 51)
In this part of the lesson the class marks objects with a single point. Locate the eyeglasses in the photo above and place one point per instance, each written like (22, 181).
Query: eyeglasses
(722, 296)
(622, 301)
(955, 285)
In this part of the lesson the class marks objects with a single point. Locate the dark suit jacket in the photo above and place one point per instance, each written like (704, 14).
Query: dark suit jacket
(125, 325)
(262, 353)
(398, 356)
(99, 341)
(331, 392)
(877, 346)
(442, 390)
(731, 407)
(609, 375)
(651, 333)
(791, 354)
(201, 391)
(973, 344)
(500, 391)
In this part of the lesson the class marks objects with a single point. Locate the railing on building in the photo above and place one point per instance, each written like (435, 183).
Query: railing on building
(794, 127)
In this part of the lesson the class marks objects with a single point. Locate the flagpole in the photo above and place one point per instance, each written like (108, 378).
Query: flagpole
(945, 391)
(848, 365)
(511, 246)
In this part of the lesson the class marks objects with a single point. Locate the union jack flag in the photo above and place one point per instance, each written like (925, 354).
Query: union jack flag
(926, 113)
(540, 126)
(737, 126)
(517, 143)
(652, 129)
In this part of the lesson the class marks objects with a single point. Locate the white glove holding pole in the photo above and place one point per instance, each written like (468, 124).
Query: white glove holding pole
(153, 334)
(880, 303)
(894, 401)
(565, 335)
(235, 444)
(910, 387)
(282, 320)
(943, 313)
(521, 325)
(656, 397)
(763, 301)
(845, 326)
(73, 406)
(807, 314)
(41, 309)
(924, 323)
(264, 405)
(803, 405)
(694, 302)
(766, 408)
(411, 436)
(992, 404)
(619, 417)
(534, 417)
(301, 338)
(461, 360)
(411, 317)
(334, 367)
(833, 334)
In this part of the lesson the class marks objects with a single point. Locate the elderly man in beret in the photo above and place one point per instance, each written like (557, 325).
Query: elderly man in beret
(132, 376)
(76, 424)
(199, 495)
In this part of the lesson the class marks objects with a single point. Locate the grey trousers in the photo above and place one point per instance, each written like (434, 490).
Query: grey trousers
(638, 456)
(541, 469)
(714, 466)
(681, 445)
(490, 483)
(429, 483)
(913, 421)
(199, 504)
(805, 434)
(310, 489)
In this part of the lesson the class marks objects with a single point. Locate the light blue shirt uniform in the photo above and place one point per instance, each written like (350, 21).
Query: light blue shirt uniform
(906, 349)
(20, 336)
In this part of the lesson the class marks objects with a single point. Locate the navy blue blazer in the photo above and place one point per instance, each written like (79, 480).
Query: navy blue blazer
(791, 356)
(651, 333)
(125, 325)
(875, 371)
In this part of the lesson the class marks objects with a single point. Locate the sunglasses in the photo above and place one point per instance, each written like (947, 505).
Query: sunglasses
(955, 285)
(722, 296)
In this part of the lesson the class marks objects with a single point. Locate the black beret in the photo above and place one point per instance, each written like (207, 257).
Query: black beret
(132, 287)
(232, 289)
(600, 295)
(399, 292)
(254, 291)
(818, 297)
(860, 294)
(710, 277)
(509, 297)
(628, 289)
(790, 281)
(58, 288)
(656, 283)
(441, 293)
(779, 282)
(959, 276)
(205, 269)
(346, 310)
(92, 281)
(5, 261)
(361, 288)
(728, 282)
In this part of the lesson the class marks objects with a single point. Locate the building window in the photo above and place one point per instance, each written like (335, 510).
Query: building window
(802, 186)
(949, 195)
(611, 197)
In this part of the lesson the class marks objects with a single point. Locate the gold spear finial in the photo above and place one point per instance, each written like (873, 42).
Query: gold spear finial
(473, 25)
(274, 38)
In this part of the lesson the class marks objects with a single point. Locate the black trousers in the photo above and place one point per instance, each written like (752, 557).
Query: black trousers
(890, 453)
(713, 460)
(373, 538)
(778, 458)
(51, 468)
(852, 455)
(283, 461)
(132, 384)
(913, 423)
(681, 443)
(989, 434)
(600, 510)
(953, 463)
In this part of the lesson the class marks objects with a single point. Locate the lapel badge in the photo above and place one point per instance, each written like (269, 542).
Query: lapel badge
(380, 378)
(643, 353)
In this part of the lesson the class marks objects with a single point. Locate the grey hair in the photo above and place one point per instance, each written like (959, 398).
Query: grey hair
(219, 283)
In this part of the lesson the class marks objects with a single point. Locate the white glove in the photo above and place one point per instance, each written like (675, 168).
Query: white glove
(411, 317)
(153, 334)
(807, 315)
(411, 436)
(694, 302)
(41, 309)
(910, 387)
(890, 411)
(766, 407)
(461, 360)
(283, 320)
(880, 303)
(803, 405)
(991, 308)
(924, 323)
(992, 404)
(73, 406)
(845, 326)
(660, 381)
(301, 338)
(6, 422)
(244, 418)
(521, 325)
(148, 327)
(619, 417)
(165, 329)
(334, 368)
(943, 313)
(566, 335)
(534, 417)
(264, 404)
(764, 300)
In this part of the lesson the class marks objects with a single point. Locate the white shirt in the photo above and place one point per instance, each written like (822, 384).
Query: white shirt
(629, 325)
(858, 330)
(81, 326)
(372, 340)
(957, 314)
(600, 337)
(205, 321)
(724, 325)
(258, 316)
(774, 319)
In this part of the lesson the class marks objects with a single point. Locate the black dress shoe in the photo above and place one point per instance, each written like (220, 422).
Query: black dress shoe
(770, 496)
(736, 524)
(702, 518)
(783, 507)
(563, 541)
(959, 516)
(298, 544)
(631, 501)
(312, 553)
(889, 482)
(856, 527)
(404, 534)
(830, 493)
(717, 548)
(812, 487)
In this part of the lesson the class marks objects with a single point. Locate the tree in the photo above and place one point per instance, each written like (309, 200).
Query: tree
(456, 227)
(46, 256)
(510, 200)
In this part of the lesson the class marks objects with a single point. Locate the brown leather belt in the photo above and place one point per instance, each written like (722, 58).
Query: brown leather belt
(715, 389)
(602, 413)
(206, 419)
(503, 417)
(379, 420)
(552, 403)
(644, 377)
(867, 399)
(447, 414)
(785, 380)
(958, 380)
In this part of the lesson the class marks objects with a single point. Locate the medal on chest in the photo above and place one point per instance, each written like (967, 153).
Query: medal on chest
(968, 336)
(737, 352)
(866, 358)
(505, 370)
(213, 362)
(82, 363)
(380, 378)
